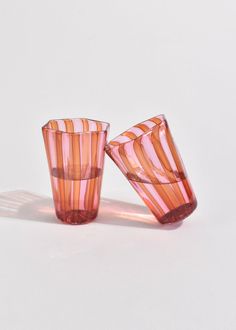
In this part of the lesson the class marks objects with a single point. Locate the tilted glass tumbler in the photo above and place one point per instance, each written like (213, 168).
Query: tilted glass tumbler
(147, 156)
(75, 153)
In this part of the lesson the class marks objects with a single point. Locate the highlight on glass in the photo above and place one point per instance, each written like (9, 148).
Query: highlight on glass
(147, 156)
(75, 153)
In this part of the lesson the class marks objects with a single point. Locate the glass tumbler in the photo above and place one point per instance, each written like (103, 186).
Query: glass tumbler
(75, 153)
(148, 157)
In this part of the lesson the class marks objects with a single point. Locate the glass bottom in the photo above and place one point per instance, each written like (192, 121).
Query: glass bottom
(76, 217)
(178, 214)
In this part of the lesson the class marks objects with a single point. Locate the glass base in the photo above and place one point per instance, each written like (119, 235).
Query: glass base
(76, 217)
(178, 214)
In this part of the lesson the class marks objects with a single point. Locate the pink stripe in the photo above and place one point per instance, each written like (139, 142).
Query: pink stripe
(165, 146)
(122, 139)
(65, 150)
(100, 149)
(132, 157)
(116, 155)
(83, 187)
(104, 126)
(155, 194)
(183, 191)
(148, 123)
(96, 193)
(78, 126)
(137, 131)
(61, 125)
(52, 148)
(92, 126)
(148, 147)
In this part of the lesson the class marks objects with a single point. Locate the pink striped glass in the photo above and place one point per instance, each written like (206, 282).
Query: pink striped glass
(147, 156)
(75, 153)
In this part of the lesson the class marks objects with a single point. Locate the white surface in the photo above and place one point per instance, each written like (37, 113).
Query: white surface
(121, 62)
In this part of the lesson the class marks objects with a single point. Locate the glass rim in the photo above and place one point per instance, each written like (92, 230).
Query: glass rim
(114, 143)
(59, 131)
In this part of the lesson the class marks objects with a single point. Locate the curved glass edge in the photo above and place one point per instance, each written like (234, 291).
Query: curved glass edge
(58, 131)
(114, 144)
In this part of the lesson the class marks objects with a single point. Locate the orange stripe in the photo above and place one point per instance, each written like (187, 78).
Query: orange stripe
(90, 190)
(94, 151)
(187, 187)
(155, 120)
(77, 167)
(85, 125)
(53, 124)
(175, 156)
(163, 159)
(147, 166)
(58, 137)
(87, 148)
(69, 125)
(173, 150)
(130, 135)
(143, 127)
(114, 143)
(159, 149)
(93, 185)
(141, 185)
(102, 139)
(70, 170)
(86, 166)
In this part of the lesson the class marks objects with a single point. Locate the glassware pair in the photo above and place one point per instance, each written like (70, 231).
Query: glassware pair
(145, 153)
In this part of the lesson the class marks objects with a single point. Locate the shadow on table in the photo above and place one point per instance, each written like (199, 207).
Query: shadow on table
(25, 205)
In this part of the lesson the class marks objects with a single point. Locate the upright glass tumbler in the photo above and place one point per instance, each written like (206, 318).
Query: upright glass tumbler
(147, 156)
(75, 153)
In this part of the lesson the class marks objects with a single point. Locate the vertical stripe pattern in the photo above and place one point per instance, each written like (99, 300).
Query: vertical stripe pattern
(75, 153)
(148, 157)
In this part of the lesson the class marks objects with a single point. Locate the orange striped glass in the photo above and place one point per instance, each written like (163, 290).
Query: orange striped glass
(147, 156)
(75, 153)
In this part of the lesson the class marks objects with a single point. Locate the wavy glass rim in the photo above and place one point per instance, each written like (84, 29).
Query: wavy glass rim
(59, 131)
(136, 131)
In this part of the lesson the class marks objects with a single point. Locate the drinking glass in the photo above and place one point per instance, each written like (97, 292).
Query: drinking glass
(148, 157)
(75, 153)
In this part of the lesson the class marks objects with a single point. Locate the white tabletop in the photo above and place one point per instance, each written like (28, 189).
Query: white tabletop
(123, 271)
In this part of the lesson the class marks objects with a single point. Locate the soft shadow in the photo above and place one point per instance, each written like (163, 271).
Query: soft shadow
(26, 205)
(119, 213)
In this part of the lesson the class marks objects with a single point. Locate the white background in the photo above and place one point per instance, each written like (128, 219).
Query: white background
(122, 62)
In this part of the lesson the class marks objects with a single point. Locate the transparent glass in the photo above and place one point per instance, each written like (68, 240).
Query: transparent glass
(75, 153)
(148, 157)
